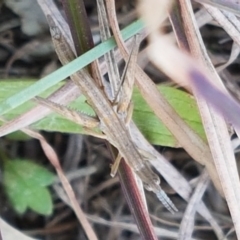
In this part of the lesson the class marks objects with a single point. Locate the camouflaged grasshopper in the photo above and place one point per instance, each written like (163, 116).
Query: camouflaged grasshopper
(112, 123)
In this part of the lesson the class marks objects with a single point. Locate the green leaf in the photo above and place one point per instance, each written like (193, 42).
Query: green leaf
(153, 129)
(41, 202)
(186, 106)
(25, 184)
(54, 122)
(10, 87)
(18, 136)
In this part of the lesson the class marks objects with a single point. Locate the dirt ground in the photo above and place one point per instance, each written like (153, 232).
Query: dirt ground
(28, 53)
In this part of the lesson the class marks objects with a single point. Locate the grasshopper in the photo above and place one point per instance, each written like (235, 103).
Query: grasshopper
(111, 123)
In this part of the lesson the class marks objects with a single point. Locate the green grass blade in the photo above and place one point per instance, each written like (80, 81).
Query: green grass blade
(67, 70)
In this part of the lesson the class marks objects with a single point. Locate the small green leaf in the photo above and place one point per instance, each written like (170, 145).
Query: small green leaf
(41, 201)
(25, 183)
